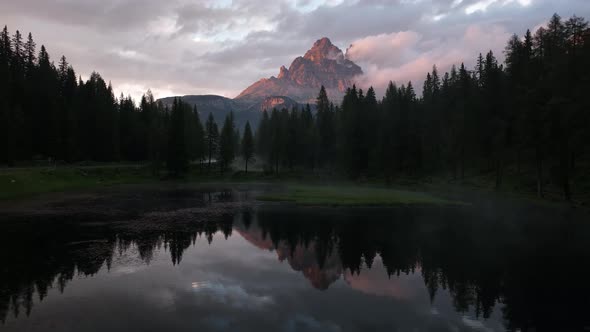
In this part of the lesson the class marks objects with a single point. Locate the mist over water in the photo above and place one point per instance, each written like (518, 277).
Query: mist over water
(216, 260)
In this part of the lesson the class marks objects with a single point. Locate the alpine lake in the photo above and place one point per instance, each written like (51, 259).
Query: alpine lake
(215, 258)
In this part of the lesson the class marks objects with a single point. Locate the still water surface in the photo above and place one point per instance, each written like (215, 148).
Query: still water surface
(188, 260)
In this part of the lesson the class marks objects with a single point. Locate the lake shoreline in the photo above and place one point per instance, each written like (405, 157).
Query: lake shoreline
(44, 183)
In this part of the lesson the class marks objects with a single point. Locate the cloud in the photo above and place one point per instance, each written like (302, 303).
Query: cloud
(233, 296)
(385, 49)
(407, 56)
(221, 47)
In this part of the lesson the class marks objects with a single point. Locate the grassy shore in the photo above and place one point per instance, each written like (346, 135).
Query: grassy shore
(343, 195)
(23, 183)
(300, 187)
(28, 182)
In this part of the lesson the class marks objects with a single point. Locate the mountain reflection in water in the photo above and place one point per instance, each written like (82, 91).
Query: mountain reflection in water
(523, 273)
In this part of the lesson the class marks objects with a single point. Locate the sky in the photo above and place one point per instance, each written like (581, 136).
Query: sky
(179, 47)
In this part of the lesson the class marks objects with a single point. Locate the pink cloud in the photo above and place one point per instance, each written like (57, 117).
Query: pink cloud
(385, 49)
(408, 56)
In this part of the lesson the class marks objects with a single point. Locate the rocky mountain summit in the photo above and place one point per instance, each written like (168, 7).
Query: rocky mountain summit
(324, 64)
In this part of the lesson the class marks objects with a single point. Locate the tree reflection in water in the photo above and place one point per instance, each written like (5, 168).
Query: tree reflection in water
(535, 267)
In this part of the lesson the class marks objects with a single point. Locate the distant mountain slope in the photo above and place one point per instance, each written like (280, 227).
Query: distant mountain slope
(221, 106)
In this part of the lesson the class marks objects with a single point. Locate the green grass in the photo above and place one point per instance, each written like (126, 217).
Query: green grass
(351, 196)
(15, 184)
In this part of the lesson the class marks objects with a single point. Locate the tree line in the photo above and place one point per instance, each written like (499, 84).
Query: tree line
(47, 112)
(530, 115)
(526, 116)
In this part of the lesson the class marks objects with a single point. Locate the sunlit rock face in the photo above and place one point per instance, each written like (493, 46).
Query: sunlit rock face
(276, 102)
(324, 64)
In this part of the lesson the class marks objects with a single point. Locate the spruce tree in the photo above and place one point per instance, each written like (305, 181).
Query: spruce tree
(263, 138)
(310, 137)
(277, 137)
(196, 137)
(5, 96)
(326, 129)
(178, 159)
(212, 138)
(30, 57)
(247, 145)
(226, 153)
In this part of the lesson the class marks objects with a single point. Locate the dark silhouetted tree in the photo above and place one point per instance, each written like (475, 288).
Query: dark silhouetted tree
(226, 152)
(178, 156)
(247, 145)
(212, 138)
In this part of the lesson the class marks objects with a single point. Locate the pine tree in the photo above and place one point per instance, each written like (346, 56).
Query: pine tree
(435, 82)
(386, 133)
(293, 138)
(178, 158)
(18, 55)
(46, 125)
(6, 143)
(310, 137)
(5, 46)
(30, 57)
(212, 137)
(352, 131)
(247, 145)
(370, 122)
(263, 138)
(278, 131)
(226, 153)
(326, 128)
(575, 30)
(196, 136)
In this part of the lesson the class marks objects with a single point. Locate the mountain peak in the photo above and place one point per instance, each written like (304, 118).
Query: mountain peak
(324, 49)
(322, 65)
(284, 72)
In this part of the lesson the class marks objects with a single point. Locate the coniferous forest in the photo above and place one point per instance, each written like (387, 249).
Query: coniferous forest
(527, 120)
(529, 116)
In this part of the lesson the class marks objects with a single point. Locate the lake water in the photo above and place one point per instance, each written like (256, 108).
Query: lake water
(209, 260)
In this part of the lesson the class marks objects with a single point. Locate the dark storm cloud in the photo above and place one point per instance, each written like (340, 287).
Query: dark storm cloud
(192, 47)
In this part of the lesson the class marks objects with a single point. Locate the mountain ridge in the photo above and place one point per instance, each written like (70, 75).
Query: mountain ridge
(324, 64)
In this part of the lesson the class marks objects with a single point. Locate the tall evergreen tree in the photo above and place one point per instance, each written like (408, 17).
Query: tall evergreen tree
(30, 57)
(387, 138)
(196, 136)
(326, 129)
(247, 145)
(263, 137)
(6, 135)
(226, 153)
(212, 137)
(278, 138)
(178, 156)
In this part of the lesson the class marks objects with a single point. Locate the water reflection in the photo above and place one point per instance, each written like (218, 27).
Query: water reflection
(528, 266)
(531, 270)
